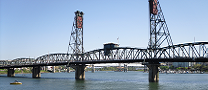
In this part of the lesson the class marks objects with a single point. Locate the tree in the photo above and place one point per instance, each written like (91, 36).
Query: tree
(164, 67)
(172, 67)
(197, 66)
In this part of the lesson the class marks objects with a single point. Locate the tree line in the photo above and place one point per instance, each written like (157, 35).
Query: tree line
(194, 67)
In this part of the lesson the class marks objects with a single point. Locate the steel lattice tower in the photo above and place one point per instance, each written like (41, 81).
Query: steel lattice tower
(159, 32)
(76, 39)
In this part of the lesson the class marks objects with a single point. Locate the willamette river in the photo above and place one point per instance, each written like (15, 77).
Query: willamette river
(106, 80)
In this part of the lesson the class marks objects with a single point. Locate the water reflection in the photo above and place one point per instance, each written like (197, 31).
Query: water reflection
(80, 84)
(153, 85)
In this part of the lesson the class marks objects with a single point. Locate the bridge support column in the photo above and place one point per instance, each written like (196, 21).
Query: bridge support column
(44, 68)
(93, 68)
(68, 69)
(145, 68)
(79, 71)
(125, 68)
(153, 72)
(36, 72)
(10, 72)
(54, 69)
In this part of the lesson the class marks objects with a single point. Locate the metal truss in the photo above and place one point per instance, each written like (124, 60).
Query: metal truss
(17, 61)
(185, 51)
(177, 53)
(159, 33)
(76, 38)
(53, 58)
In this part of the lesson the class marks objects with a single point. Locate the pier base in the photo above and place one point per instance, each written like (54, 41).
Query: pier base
(36, 72)
(153, 72)
(125, 68)
(79, 71)
(93, 68)
(10, 72)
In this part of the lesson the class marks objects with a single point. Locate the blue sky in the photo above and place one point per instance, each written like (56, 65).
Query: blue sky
(31, 28)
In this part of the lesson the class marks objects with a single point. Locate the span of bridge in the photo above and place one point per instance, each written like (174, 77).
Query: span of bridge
(188, 52)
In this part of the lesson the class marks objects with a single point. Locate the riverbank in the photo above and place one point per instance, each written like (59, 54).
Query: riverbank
(182, 72)
(4, 71)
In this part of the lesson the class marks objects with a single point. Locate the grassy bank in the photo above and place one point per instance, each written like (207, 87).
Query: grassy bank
(4, 71)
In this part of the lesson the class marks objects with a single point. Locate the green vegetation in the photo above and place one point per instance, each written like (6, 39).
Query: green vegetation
(164, 67)
(23, 71)
(43, 71)
(200, 67)
(195, 67)
(4, 71)
(114, 69)
(108, 69)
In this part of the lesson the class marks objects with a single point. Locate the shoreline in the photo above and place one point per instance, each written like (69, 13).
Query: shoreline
(5, 72)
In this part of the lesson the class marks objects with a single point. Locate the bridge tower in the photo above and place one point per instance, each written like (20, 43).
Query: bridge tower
(76, 45)
(76, 39)
(159, 32)
(159, 36)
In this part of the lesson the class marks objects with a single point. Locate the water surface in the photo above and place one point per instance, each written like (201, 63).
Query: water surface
(106, 80)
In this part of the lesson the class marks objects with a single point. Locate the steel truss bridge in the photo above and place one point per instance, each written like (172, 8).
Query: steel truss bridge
(188, 52)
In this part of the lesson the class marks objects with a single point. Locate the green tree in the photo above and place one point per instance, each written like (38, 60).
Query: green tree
(164, 67)
(197, 66)
(172, 67)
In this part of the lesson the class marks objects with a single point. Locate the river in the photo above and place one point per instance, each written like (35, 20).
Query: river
(106, 80)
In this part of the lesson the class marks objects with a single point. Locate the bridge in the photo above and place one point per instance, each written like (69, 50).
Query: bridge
(151, 56)
(188, 52)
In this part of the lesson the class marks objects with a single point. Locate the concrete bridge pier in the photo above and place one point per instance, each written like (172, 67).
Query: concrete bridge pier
(93, 68)
(44, 68)
(153, 72)
(54, 69)
(36, 72)
(79, 71)
(68, 69)
(10, 72)
(125, 68)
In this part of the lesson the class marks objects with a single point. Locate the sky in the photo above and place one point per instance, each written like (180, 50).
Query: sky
(32, 28)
